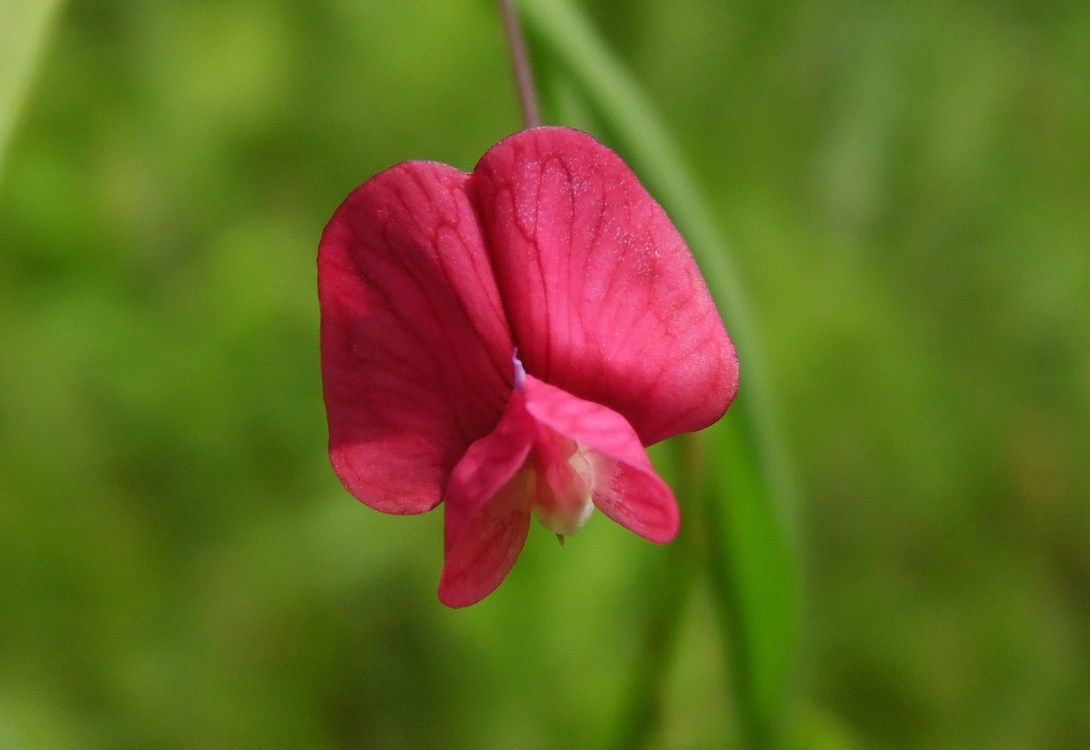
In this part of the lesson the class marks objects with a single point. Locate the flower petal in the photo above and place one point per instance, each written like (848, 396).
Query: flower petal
(415, 349)
(626, 487)
(487, 509)
(603, 297)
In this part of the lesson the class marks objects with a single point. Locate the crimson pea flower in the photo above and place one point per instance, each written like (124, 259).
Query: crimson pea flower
(508, 341)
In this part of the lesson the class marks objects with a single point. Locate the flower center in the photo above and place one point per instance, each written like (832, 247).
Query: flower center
(565, 474)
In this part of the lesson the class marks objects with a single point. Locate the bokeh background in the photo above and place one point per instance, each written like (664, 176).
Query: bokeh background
(906, 189)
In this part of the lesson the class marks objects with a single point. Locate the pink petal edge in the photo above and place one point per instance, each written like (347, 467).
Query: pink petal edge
(632, 494)
(491, 493)
(487, 510)
(603, 297)
(415, 347)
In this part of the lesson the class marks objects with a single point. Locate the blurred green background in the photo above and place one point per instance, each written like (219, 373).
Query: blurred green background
(906, 188)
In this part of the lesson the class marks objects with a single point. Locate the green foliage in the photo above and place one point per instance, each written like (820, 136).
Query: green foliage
(905, 189)
(22, 35)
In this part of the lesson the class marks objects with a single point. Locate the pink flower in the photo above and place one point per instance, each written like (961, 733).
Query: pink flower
(509, 340)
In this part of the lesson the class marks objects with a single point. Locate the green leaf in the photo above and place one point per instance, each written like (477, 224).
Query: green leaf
(744, 537)
(23, 33)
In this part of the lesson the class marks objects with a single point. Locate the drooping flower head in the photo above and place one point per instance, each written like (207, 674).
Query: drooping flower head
(508, 341)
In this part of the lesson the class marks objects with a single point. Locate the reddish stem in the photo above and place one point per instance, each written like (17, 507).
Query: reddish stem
(520, 61)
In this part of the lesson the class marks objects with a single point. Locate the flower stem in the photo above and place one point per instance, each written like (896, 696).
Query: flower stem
(520, 61)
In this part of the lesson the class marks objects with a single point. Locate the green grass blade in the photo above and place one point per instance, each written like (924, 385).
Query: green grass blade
(23, 33)
(745, 534)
